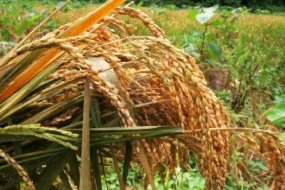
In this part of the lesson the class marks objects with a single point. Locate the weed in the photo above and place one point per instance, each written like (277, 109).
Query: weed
(15, 24)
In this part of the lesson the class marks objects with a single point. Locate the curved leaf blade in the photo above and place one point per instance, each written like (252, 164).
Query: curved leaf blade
(277, 115)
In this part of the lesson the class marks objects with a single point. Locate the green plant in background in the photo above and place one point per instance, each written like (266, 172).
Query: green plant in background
(70, 6)
(254, 71)
(205, 50)
(254, 75)
(154, 9)
(225, 96)
(15, 24)
(244, 171)
(203, 45)
(135, 177)
(276, 114)
(17, 19)
(243, 67)
(181, 180)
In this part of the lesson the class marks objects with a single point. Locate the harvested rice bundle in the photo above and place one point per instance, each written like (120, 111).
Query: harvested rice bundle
(155, 84)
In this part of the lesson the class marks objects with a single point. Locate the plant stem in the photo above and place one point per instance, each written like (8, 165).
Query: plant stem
(85, 154)
(203, 41)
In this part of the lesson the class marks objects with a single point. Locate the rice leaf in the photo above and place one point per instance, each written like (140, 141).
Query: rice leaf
(51, 171)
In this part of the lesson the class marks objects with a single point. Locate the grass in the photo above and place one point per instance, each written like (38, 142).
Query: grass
(177, 23)
(68, 15)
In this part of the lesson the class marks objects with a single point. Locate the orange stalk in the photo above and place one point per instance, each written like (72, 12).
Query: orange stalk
(76, 29)
(30, 73)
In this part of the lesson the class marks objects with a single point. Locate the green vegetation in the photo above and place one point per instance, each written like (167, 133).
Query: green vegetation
(266, 6)
(241, 54)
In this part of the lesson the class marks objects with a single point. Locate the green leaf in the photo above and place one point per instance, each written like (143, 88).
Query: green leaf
(215, 49)
(231, 27)
(217, 23)
(33, 18)
(20, 28)
(5, 34)
(277, 115)
(227, 13)
(192, 14)
(14, 12)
